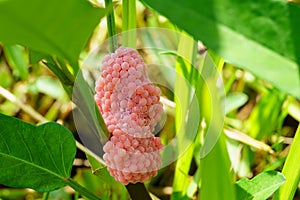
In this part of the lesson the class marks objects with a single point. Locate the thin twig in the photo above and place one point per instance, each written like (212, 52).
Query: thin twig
(90, 153)
(26, 108)
(246, 139)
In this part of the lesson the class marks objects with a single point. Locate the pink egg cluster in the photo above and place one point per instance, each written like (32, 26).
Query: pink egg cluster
(129, 104)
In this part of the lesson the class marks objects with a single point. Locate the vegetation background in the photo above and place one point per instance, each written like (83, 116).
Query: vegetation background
(255, 47)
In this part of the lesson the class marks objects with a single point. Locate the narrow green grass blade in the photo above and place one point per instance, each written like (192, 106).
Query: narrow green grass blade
(216, 180)
(111, 25)
(291, 171)
(128, 23)
(186, 49)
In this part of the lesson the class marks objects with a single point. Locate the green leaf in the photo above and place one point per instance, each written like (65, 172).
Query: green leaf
(254, 35)
(260, 187)
(16, 57)
(185, 107)
(129, 22)
(35, 56)
(234, 101)
(291, 171)
(37, 157)
(216, 180)
(53, 27)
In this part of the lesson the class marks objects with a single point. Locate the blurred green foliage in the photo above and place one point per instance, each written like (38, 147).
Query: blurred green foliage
(256, 45)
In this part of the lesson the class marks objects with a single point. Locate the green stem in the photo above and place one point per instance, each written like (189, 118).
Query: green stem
(45, 195)
(111, 25)
(129, 23)
(82, 190)
(54, 67)
(136, 191)
(76, 196)
(85, 100)
(65, 69)
(291, 171)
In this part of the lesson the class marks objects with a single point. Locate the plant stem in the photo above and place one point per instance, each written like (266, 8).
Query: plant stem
(111, 26)
(54, 67)
(82, 190)
(129, 23)
(65, 69)
(138, 191)
(90, 153)
(76, 196)
(45, 195)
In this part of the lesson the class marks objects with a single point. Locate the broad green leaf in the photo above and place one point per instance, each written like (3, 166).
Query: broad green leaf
(53, 27)
(260, 187)
(234, 101)
(16, 57)
(291, 170)
(37, 157)
(35, 56)
(259, 36)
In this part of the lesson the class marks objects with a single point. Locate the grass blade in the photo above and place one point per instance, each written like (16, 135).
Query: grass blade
(291, 171)
(128, 23)
(183, 91)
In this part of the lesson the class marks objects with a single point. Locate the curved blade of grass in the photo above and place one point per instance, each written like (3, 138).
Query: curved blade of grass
(183, 91)
(291, 170)
(254, 35)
